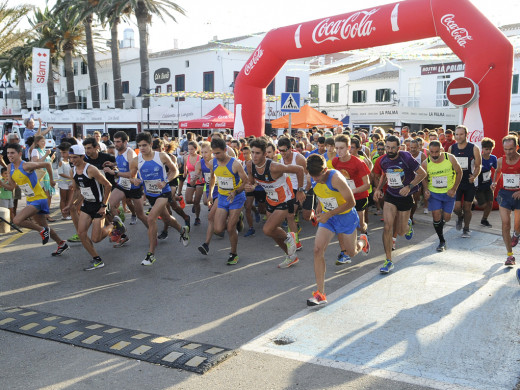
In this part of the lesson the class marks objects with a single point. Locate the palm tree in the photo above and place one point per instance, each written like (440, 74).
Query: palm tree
(18, 59)
(10, 17)
(144, 10)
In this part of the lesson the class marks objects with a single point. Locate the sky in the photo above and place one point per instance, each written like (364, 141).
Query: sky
(206, 19)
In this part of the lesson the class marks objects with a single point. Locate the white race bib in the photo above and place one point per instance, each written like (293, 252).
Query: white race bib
(27, 190)
(87, 194)
(486, 176)
(125, 183)
(463, 162)
(440, 181)
(152, 186)
(512, 181)
(207, 177)
(351, 184)
(394, 179)
(225, 183)
(271, 194)
(329, 204)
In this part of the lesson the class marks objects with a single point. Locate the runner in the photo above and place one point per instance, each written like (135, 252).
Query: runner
(508, 197)
(152, 172)
(231, 178)
(440, 186)
(403, 174)
(95, 190)
(484, 195)
(470, 160)
(273, 177)
(33, 216)
(194, 189)
(356, 174)
(337, 217)
(416, 152)
(258, 195)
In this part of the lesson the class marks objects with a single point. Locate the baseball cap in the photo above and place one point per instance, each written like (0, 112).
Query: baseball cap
(78, 150)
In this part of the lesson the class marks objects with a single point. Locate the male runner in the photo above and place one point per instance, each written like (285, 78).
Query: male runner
(470, 160)
(152, 172)
(484, 195)
(440, 186)
(337, 217)
(273, 177)
(403, 173)
(33, 216)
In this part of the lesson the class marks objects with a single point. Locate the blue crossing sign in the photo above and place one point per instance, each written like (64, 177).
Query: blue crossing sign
(290, 102)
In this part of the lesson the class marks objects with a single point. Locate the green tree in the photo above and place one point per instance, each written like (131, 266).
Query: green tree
(18, 59)
(10, 17)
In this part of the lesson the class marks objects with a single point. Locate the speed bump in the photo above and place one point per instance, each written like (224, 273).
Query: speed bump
(174, 353)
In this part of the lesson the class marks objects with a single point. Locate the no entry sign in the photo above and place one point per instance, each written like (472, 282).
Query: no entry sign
(462, 91)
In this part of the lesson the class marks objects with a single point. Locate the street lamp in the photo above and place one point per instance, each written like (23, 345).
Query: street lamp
(140, 94)
(6, 87)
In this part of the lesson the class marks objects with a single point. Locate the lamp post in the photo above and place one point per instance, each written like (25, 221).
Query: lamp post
(140, 94)
(6, 87)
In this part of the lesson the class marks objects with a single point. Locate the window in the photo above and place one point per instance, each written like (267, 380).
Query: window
(158, 89)
(75, 66)
(515, 84)
(125, 85)
(359, 96)
(84, 68)
(414, 91)
(208, 82)
(442, 84)
(187, 63)
(383, 95)
(179, 86)
(104, 91)
(169, 88)
(333, 93)
(315, 93)
(270, 90)
(292, 84)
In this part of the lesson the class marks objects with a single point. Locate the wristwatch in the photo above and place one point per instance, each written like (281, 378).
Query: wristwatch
(301, 189)
(410, 185)
(104, 205)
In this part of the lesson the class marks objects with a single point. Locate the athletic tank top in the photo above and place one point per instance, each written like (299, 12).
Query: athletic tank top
(206, 172)
(418, 158)
(292, 176)
(89, 187)
(329, 197)
(466, 159)
(277, 191)
(441, 176)
(190, 168)
(152, 172)
(227, 180)
(511, 175)
(28, 183)
(124, 166)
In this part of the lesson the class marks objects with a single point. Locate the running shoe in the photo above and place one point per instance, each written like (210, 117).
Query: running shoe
(133, 219)
(510, 261)
(119, 225)
(121, 214)
(514, 240)
(393, 244)
(163, 235)
(288, 262)
(290, 241)
(343, 258)
(62, 247)
(149, 259)
(484, 222)
(95, 264)
(250, 232)
(366, 248)
(264, 218)
(317, 299)
(299, 246)
(204, 249)
(197, 221)
(425, 211)
(284, 224)
(518, 275)
(122, 241)
(466, 233)
(257, 217)
(45, 234)
(181, 201)
(185, 235)
(187, 221)
(387, 267)
(408, 235)
(232, 259)
(221, 234)
(441, 247)
(240, 223)
(458, 225)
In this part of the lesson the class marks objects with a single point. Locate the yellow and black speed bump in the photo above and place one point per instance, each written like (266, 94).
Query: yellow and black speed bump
(174, 353)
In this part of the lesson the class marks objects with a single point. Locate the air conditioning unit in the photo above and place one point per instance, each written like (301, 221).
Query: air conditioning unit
(128, 101)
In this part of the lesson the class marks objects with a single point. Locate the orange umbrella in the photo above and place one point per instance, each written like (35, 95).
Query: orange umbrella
(306, 118)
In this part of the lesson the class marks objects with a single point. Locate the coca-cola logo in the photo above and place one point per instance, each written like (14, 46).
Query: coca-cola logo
(476, 135)
(461, 35)
(356, 25)
(253, 61)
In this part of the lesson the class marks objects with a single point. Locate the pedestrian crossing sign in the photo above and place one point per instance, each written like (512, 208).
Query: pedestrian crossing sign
(290, 102)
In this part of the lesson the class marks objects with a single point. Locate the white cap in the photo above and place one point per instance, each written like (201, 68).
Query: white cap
(77, 150)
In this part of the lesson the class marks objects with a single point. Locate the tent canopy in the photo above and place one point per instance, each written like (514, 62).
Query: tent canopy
(306, 118)
(218, 118)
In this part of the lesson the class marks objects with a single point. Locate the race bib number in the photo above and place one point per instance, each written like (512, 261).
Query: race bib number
(125, 183)
(394, 179)
(351, 184)
(207, 177)
(440, 181)
(329, 204)
(271, 194)
(87, 193)
(463, 162)
(27, 190)
(512, 181)
(225, 183)
(152, 186)
(486, 176)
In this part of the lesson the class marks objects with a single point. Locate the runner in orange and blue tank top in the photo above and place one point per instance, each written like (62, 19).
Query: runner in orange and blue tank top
(33, 216)
(337, 217)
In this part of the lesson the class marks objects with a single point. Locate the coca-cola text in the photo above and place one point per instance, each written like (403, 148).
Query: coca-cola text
(254, 59)
(356, 25)
(461, 35)
(476, 135)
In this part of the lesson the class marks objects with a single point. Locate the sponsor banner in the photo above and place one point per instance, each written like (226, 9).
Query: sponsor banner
(449, 116)
(451, 67)
(40, 68)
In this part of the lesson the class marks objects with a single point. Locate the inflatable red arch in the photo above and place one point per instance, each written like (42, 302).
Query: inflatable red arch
(486, 52)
